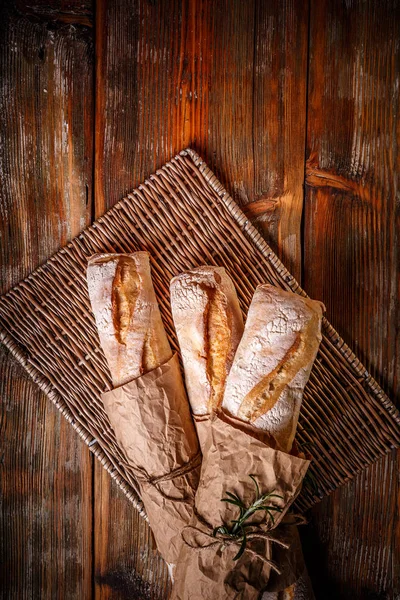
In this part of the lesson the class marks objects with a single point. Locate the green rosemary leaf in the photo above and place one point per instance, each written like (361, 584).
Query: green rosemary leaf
(244, 525)
(273, 496)
(249, 512)
(242, 546)
(235, 497)
(231, 501)
(238, 526)
(272, 516)
(261, 508)
(220, 529)
(276, 508)
(257, 488)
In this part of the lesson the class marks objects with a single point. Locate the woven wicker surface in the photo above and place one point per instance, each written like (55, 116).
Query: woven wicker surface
(184, 217)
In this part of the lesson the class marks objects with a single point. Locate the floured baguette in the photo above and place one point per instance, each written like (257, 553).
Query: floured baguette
(273, 362)
(209, 325)
(127, 316)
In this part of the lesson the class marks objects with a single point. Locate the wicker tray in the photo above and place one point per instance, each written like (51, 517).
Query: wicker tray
(184, 217)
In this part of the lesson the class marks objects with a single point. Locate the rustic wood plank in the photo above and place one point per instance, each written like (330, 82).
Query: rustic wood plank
(46, 117)
(279, 125)
(231, 70)
(152, 82)
(127, 564)
(351, 263)
(127, 131)
(195, 73)
(228, 79)
(46, 490)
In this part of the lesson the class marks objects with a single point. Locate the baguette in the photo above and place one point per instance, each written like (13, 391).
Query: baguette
(209, 325)
(127, 316)
(273, 362)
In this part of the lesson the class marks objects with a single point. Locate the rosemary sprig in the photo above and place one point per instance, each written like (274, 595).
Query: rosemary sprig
(238, 526)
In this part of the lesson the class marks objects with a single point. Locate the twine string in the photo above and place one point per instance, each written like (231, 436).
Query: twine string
(260, 531)
(185, 469)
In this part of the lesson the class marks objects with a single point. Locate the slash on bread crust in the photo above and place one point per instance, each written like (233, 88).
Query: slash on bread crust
(124, 295)
(209, 324)
(127, 316)
(273, 362)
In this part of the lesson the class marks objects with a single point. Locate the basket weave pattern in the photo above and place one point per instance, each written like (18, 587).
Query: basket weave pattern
(184, 217)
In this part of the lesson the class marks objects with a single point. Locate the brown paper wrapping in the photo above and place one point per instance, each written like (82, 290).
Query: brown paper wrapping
(202, 424)
(209, 573)
(153, 426)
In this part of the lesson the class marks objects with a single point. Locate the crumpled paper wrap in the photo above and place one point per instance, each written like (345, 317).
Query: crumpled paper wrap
(202, 425)
(206, 569)
(151, 419)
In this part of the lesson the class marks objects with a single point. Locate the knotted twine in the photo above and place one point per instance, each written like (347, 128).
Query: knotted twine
(142, 476)
(213, 539)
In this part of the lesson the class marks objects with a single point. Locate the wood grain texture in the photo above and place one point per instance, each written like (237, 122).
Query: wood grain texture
(279, 125)
(197, 73)
(45, 190)
(127, 563)
(46, 496)
(228, 78)
(152, 88)
(351, 261)
(46, 117)
(127, 122)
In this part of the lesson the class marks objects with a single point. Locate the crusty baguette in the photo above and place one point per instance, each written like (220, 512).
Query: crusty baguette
(273, 362)
(128, 319)
(209, 325)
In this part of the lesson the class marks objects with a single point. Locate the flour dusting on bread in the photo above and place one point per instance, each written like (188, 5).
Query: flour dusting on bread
(273, 362)
(127, 316)
(209, 325)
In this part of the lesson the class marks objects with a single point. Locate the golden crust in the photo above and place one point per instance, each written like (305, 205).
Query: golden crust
(127, 315)
(266, 393)
(273, 362)
(219, 333)
(124, 294)
(209, 325)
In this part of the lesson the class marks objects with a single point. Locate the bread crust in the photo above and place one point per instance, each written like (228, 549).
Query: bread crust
(127, 315)
(209, 325)
(273, 362)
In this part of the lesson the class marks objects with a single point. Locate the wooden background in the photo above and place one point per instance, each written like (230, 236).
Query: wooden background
(294, 104)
